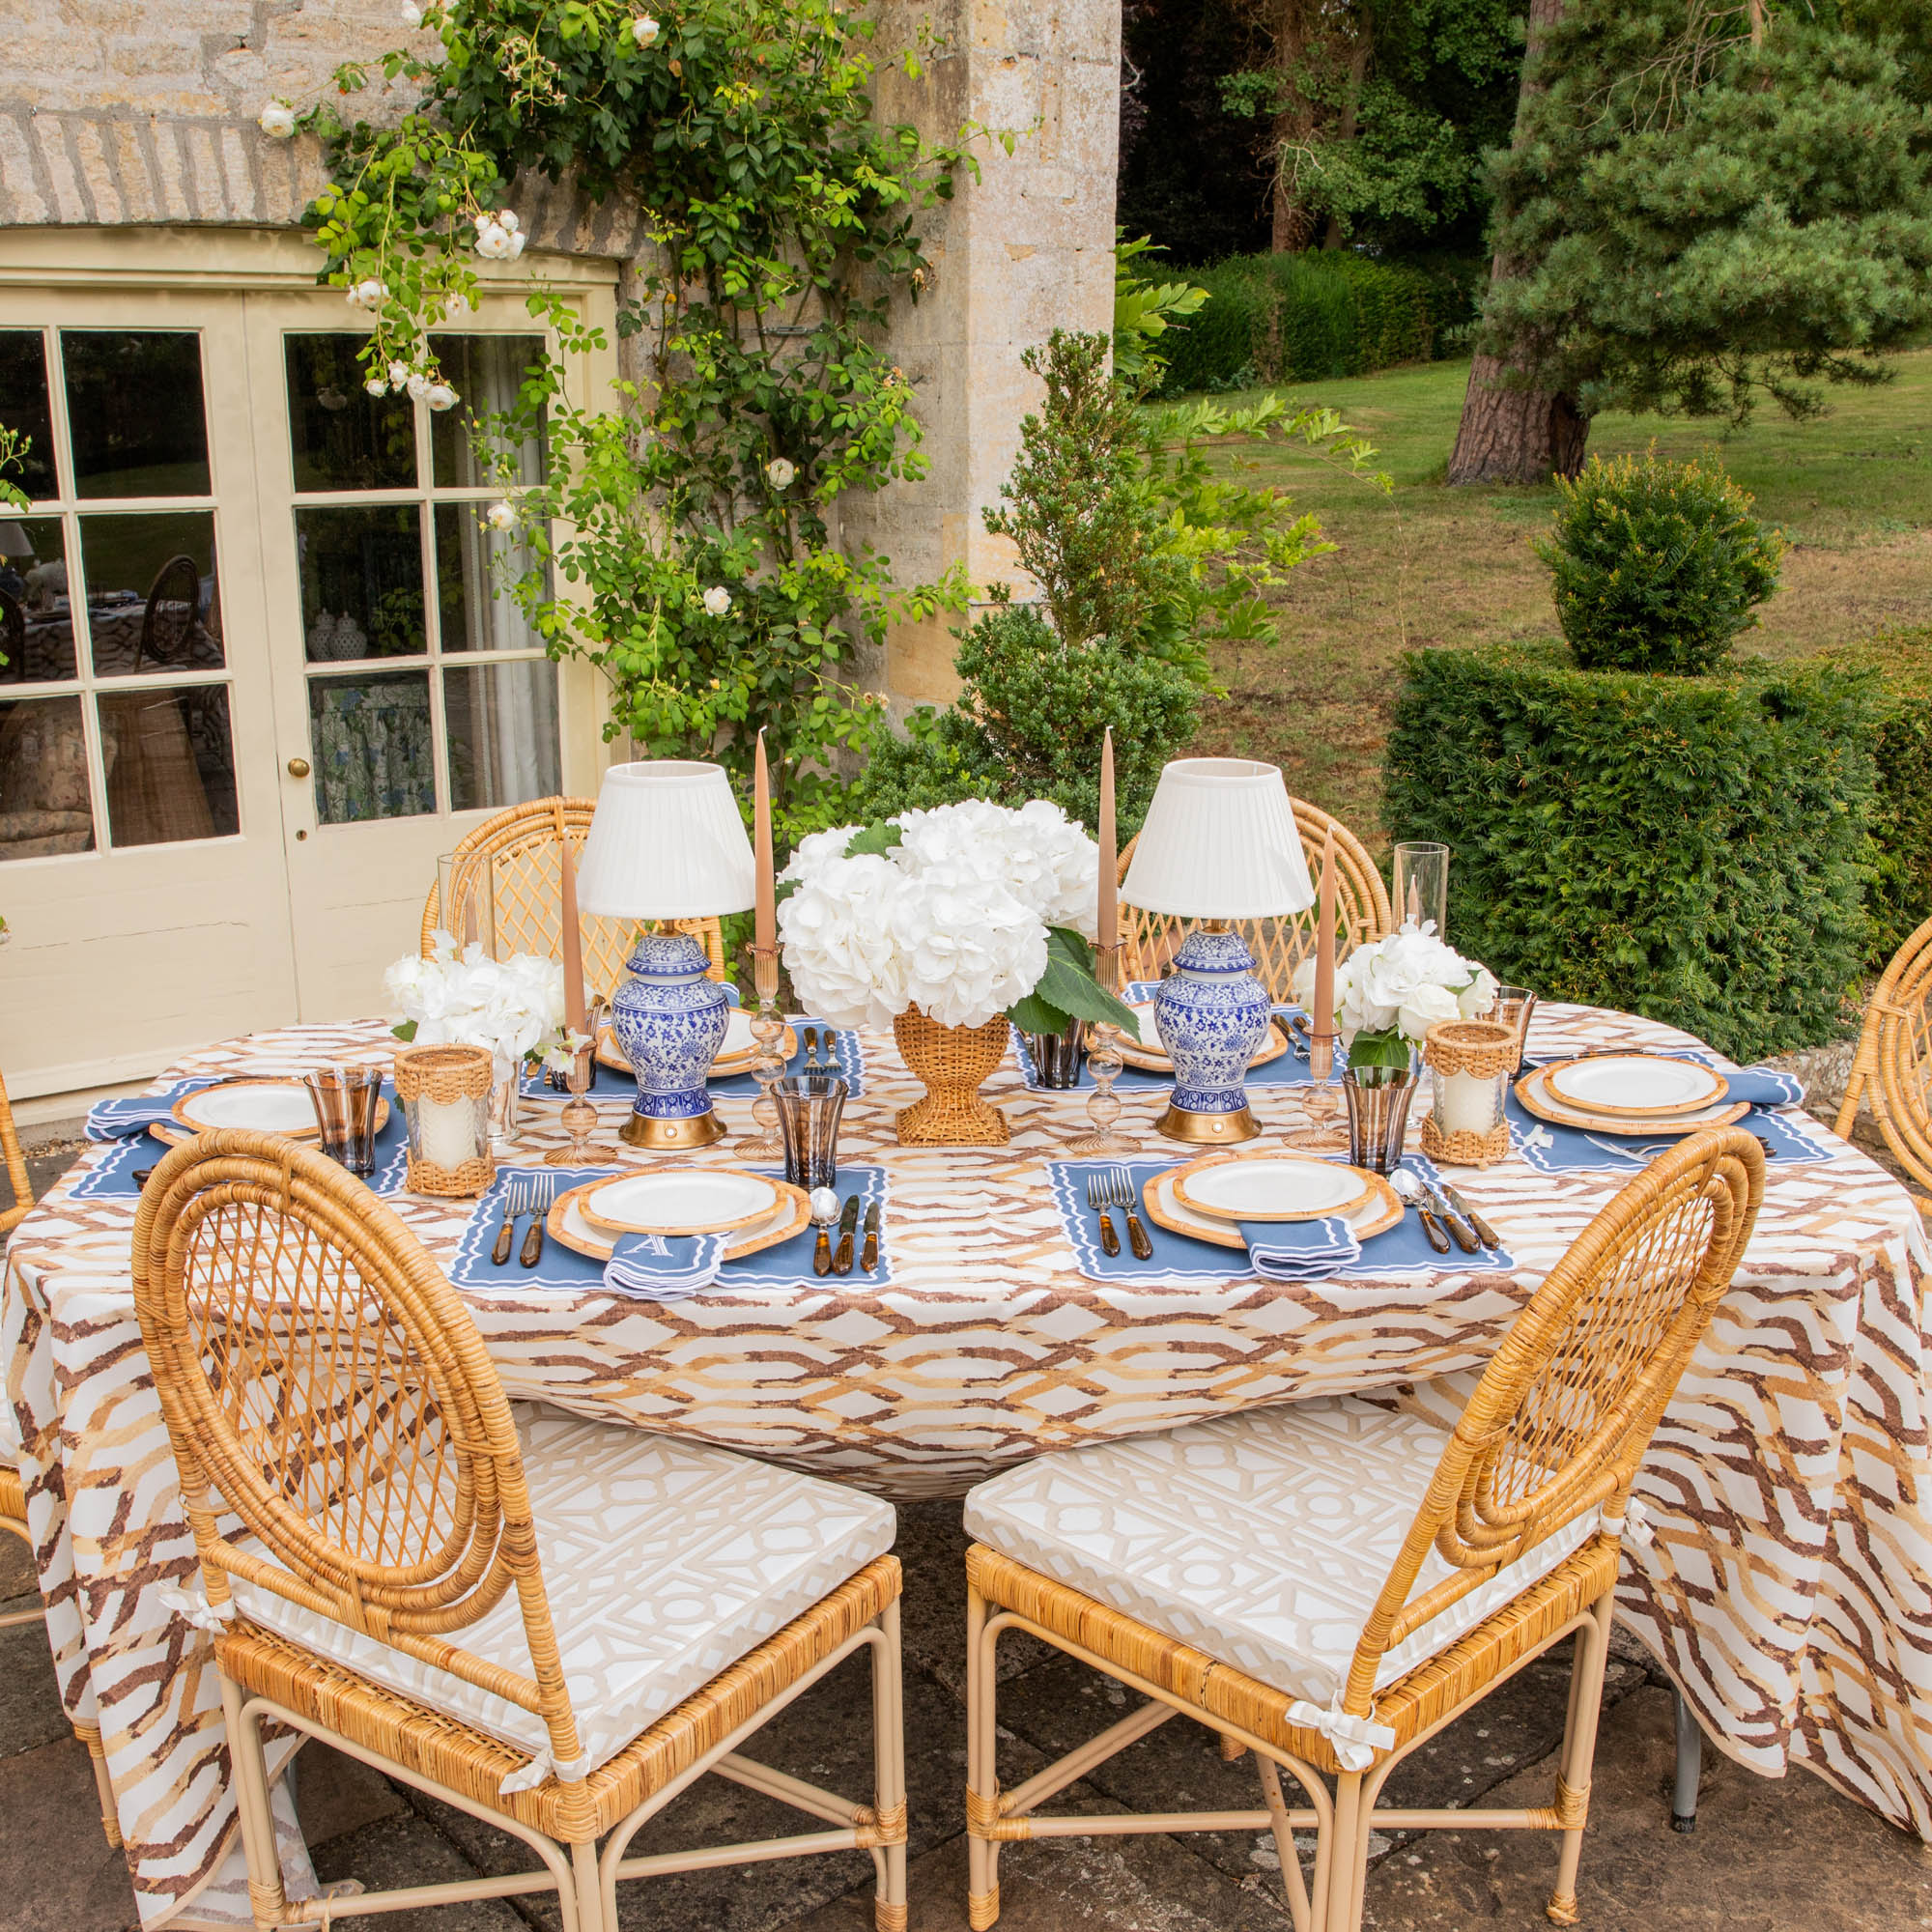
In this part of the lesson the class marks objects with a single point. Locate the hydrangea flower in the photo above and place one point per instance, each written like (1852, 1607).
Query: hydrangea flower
(277, 120)
(513, 1008)
(1402, 984)
(717, 601)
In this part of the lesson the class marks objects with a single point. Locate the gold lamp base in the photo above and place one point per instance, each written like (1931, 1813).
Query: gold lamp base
(694, 1130)
(1182, 1123)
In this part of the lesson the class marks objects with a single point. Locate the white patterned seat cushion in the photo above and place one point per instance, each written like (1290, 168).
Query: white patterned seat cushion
(664, 1561)
(1262, 1539)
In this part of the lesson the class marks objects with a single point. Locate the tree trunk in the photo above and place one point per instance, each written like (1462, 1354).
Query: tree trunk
(1350, 124)
(1293, 225)
(1512, 433)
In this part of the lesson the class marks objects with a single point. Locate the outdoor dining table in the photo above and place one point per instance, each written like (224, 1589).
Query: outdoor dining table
(1787, 1586)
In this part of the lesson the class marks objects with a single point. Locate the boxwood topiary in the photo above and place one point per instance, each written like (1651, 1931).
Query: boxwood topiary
(1693, 849)
(1658, 565)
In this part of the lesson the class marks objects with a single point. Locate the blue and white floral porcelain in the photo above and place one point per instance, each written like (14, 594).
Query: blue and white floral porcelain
(1211, 1014)
(669, 1021)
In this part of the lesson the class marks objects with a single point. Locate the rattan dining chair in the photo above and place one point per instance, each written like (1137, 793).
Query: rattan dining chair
(14, 1162)
(520, 845)
(1892, 1070)
(554, 1624)
(1331, 1583)
(1151, 939)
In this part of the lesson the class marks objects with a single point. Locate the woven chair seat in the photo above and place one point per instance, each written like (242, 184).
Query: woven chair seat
(1262, 1539)
(666, 1562)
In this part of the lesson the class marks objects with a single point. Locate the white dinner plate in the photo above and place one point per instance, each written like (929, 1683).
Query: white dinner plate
(1377, 1213)
(1270, 1187)
(1533, 1092)
(268, 1106)
(566, 1225)
(680, 1200)
(1151, 1057)
(1637, 1083)
(733, 1056)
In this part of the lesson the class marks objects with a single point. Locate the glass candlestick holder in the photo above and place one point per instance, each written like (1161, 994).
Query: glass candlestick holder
(579, 1116)
(1104, 1064)
(1322, 1100)
(767, 1058)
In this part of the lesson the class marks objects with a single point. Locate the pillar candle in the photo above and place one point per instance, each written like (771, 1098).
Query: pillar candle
(447, 1134)
(1107, 920)
(765, 933)
(1323, 1022)
(1468, 1104)
(573, 942)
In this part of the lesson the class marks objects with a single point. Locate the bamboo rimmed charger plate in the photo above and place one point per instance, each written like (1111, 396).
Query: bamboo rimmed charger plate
(680, 1200)
(1379, 1211)
(1149, 1057)
(1639, 1085)
(268, 1106)
(565, 1223)
(734, 1054)
(1270, 1187)
(1537, 1100)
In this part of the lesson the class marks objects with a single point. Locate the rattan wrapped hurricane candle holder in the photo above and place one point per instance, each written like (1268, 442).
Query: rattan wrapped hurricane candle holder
(1470, 1065)
(444, 1093)
(953, 1062)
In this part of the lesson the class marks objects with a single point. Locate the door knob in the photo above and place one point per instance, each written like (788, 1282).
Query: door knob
(299, 768)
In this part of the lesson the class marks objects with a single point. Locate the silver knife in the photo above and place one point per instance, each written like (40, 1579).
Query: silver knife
(1465, 1235)
(842, 1262)
(1484, 1233)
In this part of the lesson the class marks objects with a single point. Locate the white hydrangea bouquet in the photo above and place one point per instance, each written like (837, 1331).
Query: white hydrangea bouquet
(513, 1008)
(964, 911)
(1391, 991)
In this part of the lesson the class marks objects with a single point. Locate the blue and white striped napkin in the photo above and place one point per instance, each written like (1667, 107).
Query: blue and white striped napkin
(663, 1267)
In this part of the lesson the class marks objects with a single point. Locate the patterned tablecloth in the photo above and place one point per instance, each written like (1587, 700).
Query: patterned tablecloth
(1788, 1588)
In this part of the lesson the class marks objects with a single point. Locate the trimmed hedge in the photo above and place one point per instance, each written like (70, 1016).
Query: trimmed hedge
(1900, 895)
(1690, 848)
(1326, 312)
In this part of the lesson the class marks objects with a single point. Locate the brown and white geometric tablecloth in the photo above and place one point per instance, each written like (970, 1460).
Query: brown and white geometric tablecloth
(1788, 1588)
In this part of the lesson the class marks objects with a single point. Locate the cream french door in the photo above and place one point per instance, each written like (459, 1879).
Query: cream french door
(261, 666)
(142, 869)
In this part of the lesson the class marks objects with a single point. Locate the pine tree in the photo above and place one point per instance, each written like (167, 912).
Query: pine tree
(1699, 211)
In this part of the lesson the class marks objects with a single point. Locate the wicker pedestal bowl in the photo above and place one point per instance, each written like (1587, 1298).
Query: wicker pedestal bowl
(953, 1063)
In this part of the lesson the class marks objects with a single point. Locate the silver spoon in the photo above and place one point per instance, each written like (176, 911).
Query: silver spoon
(1409, 1188)
(824, 1211)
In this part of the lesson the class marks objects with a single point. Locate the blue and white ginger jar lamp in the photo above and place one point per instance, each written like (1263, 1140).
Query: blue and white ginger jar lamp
(1219, 844)
(667, 842)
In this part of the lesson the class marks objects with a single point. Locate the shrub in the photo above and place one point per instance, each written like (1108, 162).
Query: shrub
(1900, 894)
(1657, 564)
(1331, 312)
(1693, 849)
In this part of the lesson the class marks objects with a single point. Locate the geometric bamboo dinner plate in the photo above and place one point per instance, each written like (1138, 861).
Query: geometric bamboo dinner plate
(269, 1105)
(1273, 1186)
(735, 1052)
(792, 1215)
(1641, 1084)
(1537, 1100)
(1378, 1211)
(679, 1200)
(1149, 1056)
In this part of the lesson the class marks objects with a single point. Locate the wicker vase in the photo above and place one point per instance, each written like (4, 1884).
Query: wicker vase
(951, 1061)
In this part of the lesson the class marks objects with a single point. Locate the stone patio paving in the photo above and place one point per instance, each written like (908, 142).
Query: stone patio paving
(1766, 1854)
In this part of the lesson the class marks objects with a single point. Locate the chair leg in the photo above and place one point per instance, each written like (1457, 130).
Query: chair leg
(1298, 1908)
(1580, 1751)
(1232, 1749)
(589, 1891)
(889, 1906)
(982, 1783)
(1689, 1767)
(1347, 1857)
(103, 1788)
(266, 1900)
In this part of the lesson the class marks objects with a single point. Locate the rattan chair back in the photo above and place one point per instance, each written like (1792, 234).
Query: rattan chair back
(1151, 939)
(520, 845)
(1565, 1411)
(1892, 1071)
(20, 1193)
(341, 1434)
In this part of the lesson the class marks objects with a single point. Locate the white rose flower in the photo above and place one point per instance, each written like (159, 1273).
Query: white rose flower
(413, 14)
(370, 295)
(506, 219)
(501, 515)
(515, 246)
(417, 385)
(717, 601)
(492, 241)
(377, 387)
(643, 30)
(778, 473)
(277, 120)
(440, 396)
(399, 375)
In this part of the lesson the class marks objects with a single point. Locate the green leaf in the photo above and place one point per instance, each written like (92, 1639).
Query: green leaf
(407, 1030)
(875, 839)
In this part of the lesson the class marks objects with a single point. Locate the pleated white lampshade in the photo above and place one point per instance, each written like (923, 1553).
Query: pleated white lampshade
(1219, 842)
(666, 842)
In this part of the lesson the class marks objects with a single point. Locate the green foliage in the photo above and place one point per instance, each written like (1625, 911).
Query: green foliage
(1068, 990)
(1658, 565)
(784, 213)
(13, 447)
(1900, 895)
(1332, 312)
(1143, 313)
(1693, 849)
(1702, 217)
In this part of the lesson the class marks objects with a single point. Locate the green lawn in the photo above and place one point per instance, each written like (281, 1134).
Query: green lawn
(1852, 491)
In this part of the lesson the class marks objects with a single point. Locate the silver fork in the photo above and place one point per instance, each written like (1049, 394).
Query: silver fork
(1120, 1186)
(1101, 1200)
(541, 1197)
(513, 1210)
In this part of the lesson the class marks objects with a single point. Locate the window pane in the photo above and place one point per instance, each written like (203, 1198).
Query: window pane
(43, 801)
(35, 625)
(372, 747)
(153, 604)
(486, 372)
(342, 436)
(502, 733)
(23, 406)
(475, 566)
(170, 764)
(133, 412)
(362, 582)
